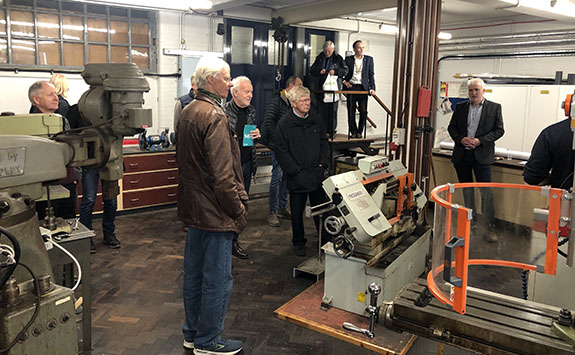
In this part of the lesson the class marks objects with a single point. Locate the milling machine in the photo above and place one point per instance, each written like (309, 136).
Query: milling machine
(37, 316)
(379, 237)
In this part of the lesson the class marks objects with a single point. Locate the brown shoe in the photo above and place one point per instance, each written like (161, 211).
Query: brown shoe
(491, 237)
(273, 220)
(284, 213)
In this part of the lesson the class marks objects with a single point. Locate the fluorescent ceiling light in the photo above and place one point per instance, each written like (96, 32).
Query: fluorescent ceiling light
(444, 35)
(200, 4)
(388, 29)
(557, 7)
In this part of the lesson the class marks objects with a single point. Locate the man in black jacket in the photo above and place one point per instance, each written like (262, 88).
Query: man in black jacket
(302, 150)
(328, 63)
(240, 113)
(278, 199)
(360, 77)
(552, 157)
(474, 127)
(184, 100)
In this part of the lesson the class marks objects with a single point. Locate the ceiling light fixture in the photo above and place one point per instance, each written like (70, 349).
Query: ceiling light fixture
(200, 4)
(557, 7)
(444, 35)
(388, 29)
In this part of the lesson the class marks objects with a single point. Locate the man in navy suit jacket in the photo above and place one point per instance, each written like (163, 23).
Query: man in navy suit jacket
(359, 78)
(474, 127)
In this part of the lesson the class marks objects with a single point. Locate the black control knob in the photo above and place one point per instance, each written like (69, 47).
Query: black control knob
(4, 207)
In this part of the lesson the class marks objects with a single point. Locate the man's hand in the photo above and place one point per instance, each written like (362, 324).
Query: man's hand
(322, 71)
(372, 92)
(347, 84)
(470, 142)
(331, 72)
(255, 134)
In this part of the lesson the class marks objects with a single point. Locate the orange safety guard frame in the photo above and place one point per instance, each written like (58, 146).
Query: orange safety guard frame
(461, 263)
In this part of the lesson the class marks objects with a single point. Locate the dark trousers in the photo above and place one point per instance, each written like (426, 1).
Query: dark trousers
(297, 204)
(361, 102)
(247, 170)
(328, 113)
(465, 170)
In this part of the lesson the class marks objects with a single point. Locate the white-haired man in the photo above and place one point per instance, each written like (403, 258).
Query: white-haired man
(212, 203)
(242, 114)
(474, 127)
(302, 150)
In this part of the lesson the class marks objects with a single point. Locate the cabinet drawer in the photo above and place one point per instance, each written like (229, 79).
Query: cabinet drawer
(137, 163)
(135, 199)
(152, 179)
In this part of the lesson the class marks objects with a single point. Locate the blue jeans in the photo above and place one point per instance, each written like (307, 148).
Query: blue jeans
(247, 170)
(278, 187)
(90, 178)
(207, 284)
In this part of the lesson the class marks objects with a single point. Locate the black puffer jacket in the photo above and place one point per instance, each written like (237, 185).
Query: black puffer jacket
(302, 150)
(278, 106)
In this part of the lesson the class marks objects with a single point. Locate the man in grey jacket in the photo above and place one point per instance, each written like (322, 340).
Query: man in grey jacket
(212, 203)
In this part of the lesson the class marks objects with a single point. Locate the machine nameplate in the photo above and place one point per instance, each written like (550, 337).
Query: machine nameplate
(357, 198)
(12, 161)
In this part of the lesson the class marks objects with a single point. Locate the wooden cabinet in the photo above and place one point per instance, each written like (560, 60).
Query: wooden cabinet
(150, 179)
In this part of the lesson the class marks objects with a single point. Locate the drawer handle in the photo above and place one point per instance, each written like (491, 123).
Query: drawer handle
(133, 182)
(171, 178)
(134, 199)
(171, 195)
(171, 161)
(133, 165)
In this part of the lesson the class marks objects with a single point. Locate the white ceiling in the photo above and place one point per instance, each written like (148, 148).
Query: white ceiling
(455, 13)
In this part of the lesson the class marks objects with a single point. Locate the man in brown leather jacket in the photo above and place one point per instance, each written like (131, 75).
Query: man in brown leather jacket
(212, 203)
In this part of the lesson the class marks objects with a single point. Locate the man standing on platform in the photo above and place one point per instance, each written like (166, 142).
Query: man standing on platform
(242, 114)
(328, 65)
(360, 77)
(278, 198)
(474, 127)
(212, 203)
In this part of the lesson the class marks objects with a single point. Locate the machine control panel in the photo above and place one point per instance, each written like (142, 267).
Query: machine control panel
(373, 164)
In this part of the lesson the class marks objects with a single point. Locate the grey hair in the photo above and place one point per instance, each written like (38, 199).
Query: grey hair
(237, 81)
(35, 89)
(477, 81)
(292, 80)
(193, 80)
(209, 67)
(296, 92)
(328, 44)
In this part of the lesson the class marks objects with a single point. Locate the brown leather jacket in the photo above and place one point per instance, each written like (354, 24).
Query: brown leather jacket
(211, 194)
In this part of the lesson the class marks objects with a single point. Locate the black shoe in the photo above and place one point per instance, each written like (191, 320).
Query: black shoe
(358, 135)
(238, 251)
(92, 247)
(299, 250)
(112, 241)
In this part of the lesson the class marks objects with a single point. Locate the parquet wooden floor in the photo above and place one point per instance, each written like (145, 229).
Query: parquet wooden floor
(137, 290)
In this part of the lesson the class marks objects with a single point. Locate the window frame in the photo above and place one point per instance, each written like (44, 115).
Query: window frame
(104, 13)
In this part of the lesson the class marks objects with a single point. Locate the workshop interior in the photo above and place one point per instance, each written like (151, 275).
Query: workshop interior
(409, 258)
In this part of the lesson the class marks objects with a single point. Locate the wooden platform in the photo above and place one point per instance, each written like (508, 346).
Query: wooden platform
(304, 310)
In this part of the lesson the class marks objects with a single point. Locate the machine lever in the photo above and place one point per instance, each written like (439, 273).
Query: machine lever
(353, 328)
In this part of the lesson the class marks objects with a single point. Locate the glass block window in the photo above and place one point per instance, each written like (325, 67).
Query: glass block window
(60, 33)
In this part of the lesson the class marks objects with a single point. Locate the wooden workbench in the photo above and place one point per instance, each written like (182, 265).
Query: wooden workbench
(304, 310)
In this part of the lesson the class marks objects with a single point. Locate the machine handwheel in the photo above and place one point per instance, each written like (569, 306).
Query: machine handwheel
(164, 138)
(343, 247)
(333, 225)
